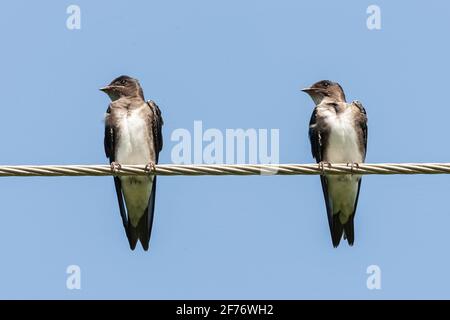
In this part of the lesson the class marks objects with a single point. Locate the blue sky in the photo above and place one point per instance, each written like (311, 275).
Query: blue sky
(230, 64)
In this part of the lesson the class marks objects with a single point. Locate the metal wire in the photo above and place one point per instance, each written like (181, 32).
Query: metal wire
(224, 170)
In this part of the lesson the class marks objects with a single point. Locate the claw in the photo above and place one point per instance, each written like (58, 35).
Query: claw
(322, 165)
(352, 166)
(115, 167)
(150, 167)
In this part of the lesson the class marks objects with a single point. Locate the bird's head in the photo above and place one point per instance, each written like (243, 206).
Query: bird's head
(325, 89)
(123, 86)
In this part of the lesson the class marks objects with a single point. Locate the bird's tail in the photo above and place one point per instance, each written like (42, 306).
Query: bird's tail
(339, 230)
(349, 231)
(143, 230)
(132, 235)
(139, 232)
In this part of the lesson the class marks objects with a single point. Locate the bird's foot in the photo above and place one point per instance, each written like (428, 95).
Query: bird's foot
(322, 166)
(115, 167)
(352, 166)
(150, 167)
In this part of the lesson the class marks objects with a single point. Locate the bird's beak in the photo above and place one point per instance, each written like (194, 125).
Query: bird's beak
(106, 88)
(308, 90)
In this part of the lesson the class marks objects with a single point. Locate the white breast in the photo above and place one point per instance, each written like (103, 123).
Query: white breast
(343, 144)
(132, 147)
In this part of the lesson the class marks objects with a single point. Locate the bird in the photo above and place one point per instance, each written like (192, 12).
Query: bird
(338, 134)
(133, 136)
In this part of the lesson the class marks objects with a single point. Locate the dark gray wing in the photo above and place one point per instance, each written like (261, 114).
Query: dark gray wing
(361, 122)
(109, 144)
(156, 124)
(318, 136)
(361, 125)
(108, 141)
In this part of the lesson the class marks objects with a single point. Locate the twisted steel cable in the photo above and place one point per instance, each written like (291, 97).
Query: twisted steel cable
(224, 169)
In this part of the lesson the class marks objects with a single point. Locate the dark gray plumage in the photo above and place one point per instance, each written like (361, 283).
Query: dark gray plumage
(338, 134)
(133, 136)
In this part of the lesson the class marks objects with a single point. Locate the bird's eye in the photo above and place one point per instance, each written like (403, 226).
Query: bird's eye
(326, 84)
(123, 82)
